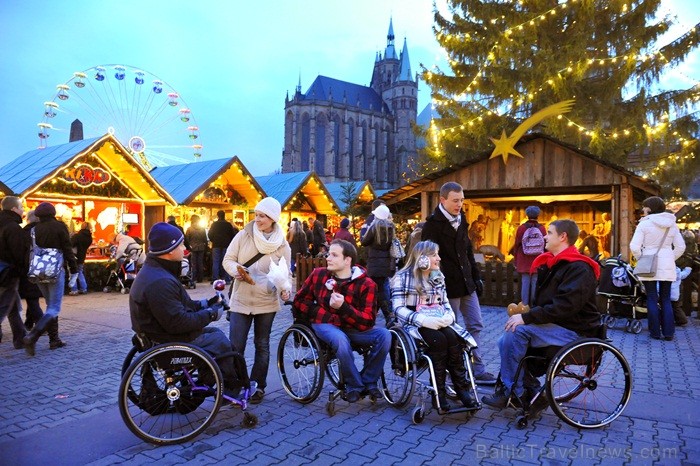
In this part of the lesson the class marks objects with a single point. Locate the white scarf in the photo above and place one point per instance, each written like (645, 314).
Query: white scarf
(267, 246)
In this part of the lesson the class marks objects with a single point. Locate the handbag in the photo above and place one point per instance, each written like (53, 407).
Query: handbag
(45, 264)
(396, 250)
(646, 264)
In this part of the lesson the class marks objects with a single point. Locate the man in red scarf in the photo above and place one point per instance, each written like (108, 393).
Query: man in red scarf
(564, 308)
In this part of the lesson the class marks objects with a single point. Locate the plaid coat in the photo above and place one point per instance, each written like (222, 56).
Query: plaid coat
(359, 310)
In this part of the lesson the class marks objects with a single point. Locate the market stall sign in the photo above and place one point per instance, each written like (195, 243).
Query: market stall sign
(85, 175)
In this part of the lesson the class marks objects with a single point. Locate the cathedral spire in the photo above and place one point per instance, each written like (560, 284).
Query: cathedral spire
(405, 65)
(390, 50)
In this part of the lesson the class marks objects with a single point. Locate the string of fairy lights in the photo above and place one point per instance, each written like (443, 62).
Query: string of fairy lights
(657, 129)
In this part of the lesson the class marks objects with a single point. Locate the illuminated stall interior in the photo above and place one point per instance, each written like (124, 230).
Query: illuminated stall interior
(362, 196)
(302, 195)
(94, 180)
(202, 188)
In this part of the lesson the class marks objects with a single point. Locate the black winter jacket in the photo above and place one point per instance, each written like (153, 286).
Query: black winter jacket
(380, 264)
(160, 306)
(566, 296)
(81, 241)
(14, 243)
(221, 233)
(456, 253)
(52, 233)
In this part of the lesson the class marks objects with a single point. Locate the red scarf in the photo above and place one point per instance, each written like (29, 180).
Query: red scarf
(569, 254)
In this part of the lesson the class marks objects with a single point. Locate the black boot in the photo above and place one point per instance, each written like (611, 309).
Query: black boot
(54, 341)
(440, 367)
(31, 338)
(458, 372)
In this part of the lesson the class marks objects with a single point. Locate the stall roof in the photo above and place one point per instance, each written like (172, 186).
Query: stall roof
(186, 181)
(285, 186)
(364, 192)
(29, 172)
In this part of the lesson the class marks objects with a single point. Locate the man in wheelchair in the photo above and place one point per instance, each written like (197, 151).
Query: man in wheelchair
(163, 312)
(341, 304)
(563, 310)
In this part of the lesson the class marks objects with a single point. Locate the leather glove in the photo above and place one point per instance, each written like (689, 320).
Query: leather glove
(479, 287)
(72, 280)
(213, 300)
(216, 311)
(434, 323)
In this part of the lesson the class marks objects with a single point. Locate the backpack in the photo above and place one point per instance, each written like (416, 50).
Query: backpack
(533, 241)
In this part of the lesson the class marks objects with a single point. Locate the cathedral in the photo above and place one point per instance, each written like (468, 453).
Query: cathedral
(348, 132)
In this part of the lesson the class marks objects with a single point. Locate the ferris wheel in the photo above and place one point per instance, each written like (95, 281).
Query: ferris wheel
(141, 110)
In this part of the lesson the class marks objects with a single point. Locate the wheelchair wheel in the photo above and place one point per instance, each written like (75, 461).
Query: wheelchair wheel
(333, 372)
(300, 364)
(589, 383)
(399, 376)
(128, 359)
(417, 415)
(170, 393)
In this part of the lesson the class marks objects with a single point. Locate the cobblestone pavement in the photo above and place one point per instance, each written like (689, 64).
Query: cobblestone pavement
(60, 407)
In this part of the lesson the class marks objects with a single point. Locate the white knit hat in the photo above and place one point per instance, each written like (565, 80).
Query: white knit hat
(382, 212)
(270, 207)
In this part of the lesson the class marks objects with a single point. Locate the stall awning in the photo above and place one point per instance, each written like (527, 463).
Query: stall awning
(363, 192)
(31, 172)
(187, 181)
(285, 187)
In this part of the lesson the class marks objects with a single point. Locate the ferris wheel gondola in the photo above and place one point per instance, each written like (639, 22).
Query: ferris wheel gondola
(142, 111)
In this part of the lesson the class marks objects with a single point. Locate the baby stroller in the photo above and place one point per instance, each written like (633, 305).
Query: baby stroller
(124, 268)
(624, 294)
(186, 272)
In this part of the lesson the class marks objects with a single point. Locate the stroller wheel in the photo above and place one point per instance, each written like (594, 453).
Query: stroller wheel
(193, 286)
(628, 326)
(609, 321)
(124, 290)
(636, 327)
(106, 289)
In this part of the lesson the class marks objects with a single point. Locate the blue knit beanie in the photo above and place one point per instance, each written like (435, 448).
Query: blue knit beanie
(163, 238)
(532, 212)
(344, 223)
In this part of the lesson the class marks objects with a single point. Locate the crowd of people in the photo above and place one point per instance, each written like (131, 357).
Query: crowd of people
(425, 288)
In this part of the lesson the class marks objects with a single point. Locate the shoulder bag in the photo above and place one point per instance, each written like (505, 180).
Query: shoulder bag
(646, 264)
(45, 264)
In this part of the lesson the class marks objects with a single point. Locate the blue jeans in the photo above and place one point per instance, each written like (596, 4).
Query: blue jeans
(340, 342)
(81, 283)
(470, 309)
(528, 282)
(197, 265)
(513, 345)
(239, 327)
(11, 307)
(659, 316)
(53, 294)
(217, 271)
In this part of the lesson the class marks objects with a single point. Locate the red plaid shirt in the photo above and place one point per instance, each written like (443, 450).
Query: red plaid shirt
(359, 310)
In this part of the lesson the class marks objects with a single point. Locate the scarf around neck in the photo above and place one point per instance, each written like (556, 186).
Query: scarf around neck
(569, 254)
(271, 244)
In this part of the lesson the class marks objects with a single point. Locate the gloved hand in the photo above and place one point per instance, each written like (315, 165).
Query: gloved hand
(213, 300)
(446, 320)
(216, 311)
(72, 280)
(434, 323)
(479, 287)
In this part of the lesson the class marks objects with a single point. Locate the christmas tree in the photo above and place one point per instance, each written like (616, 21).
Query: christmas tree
(510, 59)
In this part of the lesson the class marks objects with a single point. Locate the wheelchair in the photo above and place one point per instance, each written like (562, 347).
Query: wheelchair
(170, 393)
(408, 360)
(588, 383)
(303, 362)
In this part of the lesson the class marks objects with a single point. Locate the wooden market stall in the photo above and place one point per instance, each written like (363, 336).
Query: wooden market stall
(565, 182)
(93, 180)
(205, 187)
(302, 195)
(361, 194)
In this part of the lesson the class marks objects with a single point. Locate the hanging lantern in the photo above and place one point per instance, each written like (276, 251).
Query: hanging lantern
(119, 72)
(79, 79)
(172, 99)
(63, 91)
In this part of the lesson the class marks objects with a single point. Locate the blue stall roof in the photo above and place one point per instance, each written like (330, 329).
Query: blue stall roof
(336, 191)
(285, 186)
(34, 166)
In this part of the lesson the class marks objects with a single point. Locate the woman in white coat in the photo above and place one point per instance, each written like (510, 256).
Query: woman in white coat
(256, 304)
(648, 239)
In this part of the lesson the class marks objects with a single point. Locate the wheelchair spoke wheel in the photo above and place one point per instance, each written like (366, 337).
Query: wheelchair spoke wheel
(333, 372)
(129, 359)
(170, 394)
(399, 377)
(589, 383)
(300, 364)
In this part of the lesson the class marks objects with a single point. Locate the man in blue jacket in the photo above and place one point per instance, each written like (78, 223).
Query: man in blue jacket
(162, 310)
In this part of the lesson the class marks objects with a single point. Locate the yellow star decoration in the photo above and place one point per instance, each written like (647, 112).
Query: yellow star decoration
(506, 144)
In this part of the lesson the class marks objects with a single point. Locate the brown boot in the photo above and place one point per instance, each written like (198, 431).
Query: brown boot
(31, 338)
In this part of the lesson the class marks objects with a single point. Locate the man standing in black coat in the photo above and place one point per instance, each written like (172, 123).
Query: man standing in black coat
(14, 250)
(447, 226)
(221, 233)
